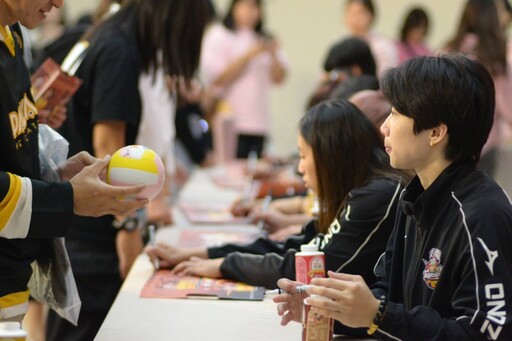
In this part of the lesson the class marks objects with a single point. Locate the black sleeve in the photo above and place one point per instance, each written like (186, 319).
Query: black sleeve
(264, 245)
(115, 89)
(260, 246)
(33, 208)
(52, 209)
(261, 270)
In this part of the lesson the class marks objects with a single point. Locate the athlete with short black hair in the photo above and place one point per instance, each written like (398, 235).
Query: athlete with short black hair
(446, 273)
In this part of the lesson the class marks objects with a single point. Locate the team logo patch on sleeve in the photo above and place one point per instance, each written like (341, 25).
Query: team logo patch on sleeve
(433, 268)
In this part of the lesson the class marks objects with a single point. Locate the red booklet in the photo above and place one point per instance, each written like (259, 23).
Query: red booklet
(52, 86)
(163, 284)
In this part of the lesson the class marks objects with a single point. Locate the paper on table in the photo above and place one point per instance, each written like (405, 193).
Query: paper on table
(210, 238)
(163, 284)
(203, 213)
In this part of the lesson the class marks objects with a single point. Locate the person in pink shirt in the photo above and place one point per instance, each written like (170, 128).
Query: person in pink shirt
(359, 18)
(480, 34)
(412, 36)
(239, 64)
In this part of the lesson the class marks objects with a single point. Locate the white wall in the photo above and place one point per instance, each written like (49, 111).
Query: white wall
(306, 28)
(76, 8)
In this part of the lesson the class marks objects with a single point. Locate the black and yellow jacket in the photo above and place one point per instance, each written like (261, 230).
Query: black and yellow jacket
(31, 210)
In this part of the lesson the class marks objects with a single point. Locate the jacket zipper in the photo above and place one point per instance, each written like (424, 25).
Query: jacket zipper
(416, 260)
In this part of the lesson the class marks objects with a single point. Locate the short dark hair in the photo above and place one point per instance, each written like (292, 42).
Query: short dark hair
(173, 28)
(348, 52)
(347, 149)
(229, 21)
(450, 89)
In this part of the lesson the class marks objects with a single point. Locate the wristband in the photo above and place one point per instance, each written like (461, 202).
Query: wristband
(378, 317)
(128, 224)
(133, 222)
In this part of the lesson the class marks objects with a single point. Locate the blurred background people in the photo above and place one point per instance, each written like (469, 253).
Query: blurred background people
(349, 68)
(193, 132)
(359, 18)
(240, 61)
(373, 104)
(480, 34)
(413, 35)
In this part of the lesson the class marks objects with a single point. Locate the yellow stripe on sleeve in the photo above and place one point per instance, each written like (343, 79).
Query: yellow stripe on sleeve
(9, 202)
(13, 299)
(12, 305)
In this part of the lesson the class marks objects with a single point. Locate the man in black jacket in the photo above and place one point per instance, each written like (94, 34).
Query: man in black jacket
(446, 273)
(32, 210)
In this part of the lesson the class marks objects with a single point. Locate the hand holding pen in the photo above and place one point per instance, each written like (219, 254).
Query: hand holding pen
(298, 290)
(264, 209)
(252, 162)
(290, 298)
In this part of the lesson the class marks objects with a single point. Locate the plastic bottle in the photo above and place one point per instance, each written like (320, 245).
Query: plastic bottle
(11, 331)
(309, 264)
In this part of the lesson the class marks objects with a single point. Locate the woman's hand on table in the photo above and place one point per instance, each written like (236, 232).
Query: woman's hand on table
(170, 256)
(273, 219)
(199, 267)
(282, 234)
(242, 207)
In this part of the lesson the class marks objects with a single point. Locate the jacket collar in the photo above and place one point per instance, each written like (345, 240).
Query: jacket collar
(423, 205)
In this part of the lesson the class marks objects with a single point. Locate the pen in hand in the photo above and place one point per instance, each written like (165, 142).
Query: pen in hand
(264, 208)
(299, 289)
(152, 242)
(252, 161)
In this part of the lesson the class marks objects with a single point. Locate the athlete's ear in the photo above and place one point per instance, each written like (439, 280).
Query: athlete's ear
(438, 134)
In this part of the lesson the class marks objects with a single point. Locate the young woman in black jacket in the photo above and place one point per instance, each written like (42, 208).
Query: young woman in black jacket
(343, 161)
